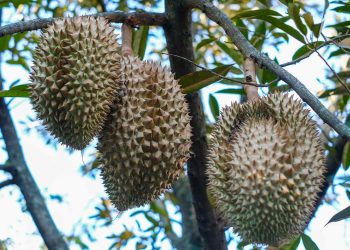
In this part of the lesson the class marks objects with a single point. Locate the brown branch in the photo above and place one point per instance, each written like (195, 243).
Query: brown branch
(326, 43)
(178, 35)
(136, 18)
(8, 168)
(6, 183)
(25, 181)
(248, 50)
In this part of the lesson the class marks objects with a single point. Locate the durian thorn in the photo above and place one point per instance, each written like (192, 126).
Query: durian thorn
(127, 40)
(250, 76)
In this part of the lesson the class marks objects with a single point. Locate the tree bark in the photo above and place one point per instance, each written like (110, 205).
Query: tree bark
(23, 178)
(179, 42)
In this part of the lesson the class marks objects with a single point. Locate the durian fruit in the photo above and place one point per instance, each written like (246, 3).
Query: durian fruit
(146, 140)
(74, 78)
(265, 168)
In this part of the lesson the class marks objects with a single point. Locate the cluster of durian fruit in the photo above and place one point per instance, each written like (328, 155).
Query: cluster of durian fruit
(84, 87)
(265, 160)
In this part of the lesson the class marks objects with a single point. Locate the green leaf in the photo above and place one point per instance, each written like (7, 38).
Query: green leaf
(342, 215)
(342, 9)
(242, 27)
(286, 2)
(317, 28)
(294, 13)
(231, 91)
(214, 106)
(339, 52)
(253, 13)
(259, 36)
(200, 79)
(346, 156)
(339, 25)
(303, 50)
(309, 20)
(330, 92)
(235, 55)
(292, 245)
(228, 82)
(204, 42)
(308, 243)
(4, 43)
(140, 38)
(283, 26)
(17, 91)
(264, 2)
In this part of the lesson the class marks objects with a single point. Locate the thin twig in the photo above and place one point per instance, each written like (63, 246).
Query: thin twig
(216, 74)
(333, 71)
(335, 43)
(328, 42)
(6, 183)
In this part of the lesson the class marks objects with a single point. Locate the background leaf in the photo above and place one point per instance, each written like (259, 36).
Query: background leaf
(283, 26)
(214, 106)
(342, 215)
(139, 42)
(308, 243)
(200, 79)
(16, 91)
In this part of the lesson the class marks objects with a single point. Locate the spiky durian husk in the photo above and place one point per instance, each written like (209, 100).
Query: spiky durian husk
(74, 78)
(265, 168)
(146, 140)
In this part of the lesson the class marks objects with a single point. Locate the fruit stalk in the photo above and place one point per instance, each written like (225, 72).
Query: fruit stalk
(126, 40)
(250, 77)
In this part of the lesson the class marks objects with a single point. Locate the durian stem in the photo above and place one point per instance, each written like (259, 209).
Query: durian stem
(250, 77)
(126, 40)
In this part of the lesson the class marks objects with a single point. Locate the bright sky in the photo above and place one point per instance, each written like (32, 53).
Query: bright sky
(57, 172)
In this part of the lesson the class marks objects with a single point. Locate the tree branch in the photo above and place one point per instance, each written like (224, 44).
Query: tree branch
(8, 168)
(34, 201)
(179, 42)
(248, 50)
(6, 183)
(136, 18)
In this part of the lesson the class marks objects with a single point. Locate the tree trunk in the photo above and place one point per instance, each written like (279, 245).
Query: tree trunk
(179, 42)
